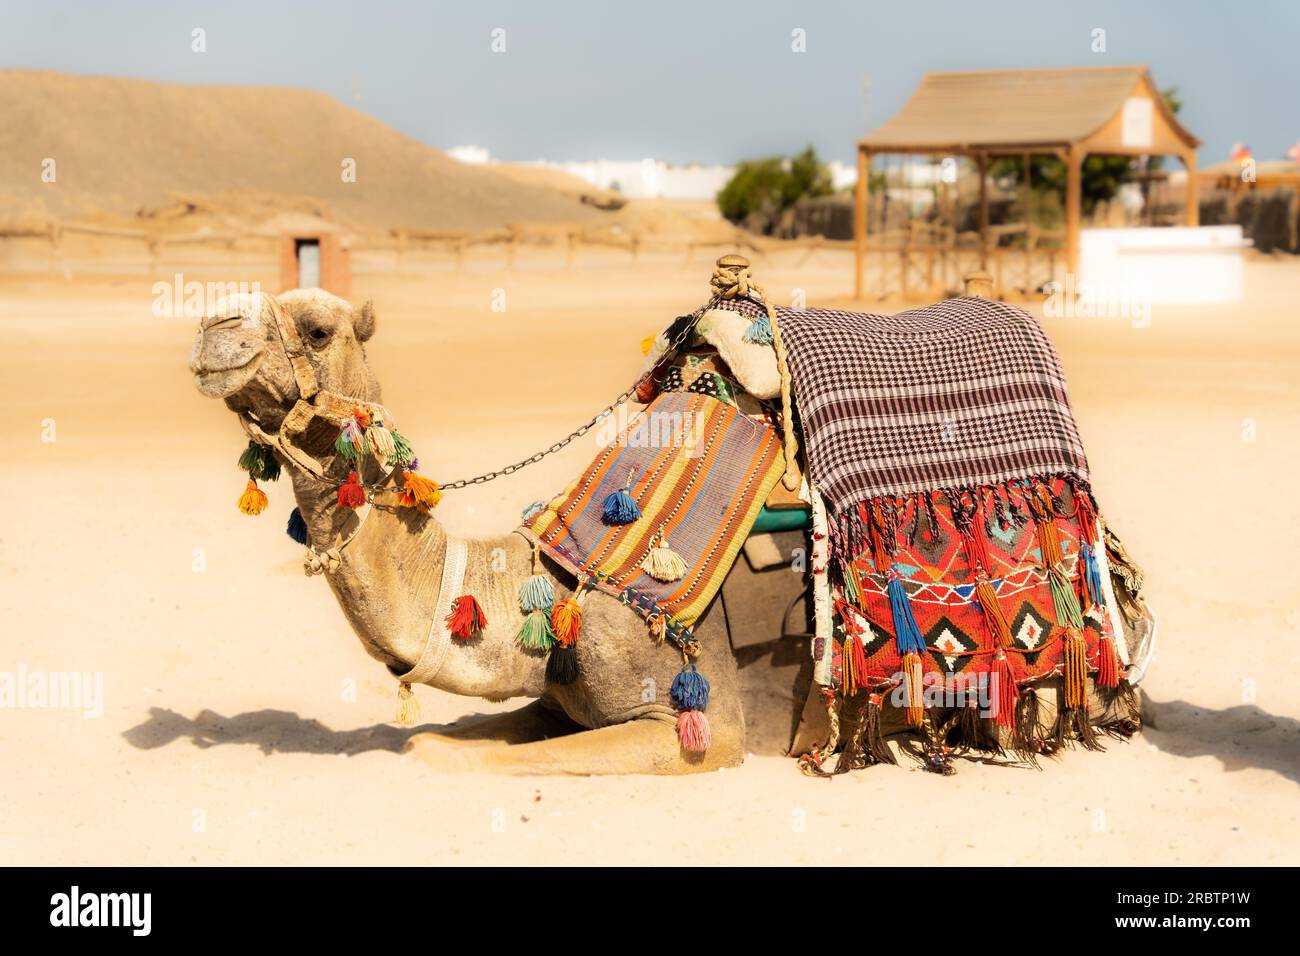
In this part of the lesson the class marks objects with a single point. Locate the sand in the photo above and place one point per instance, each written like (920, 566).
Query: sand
(125, 145)
(243, 724)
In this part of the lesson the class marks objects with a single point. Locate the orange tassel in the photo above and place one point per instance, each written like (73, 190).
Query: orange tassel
(566, 621)
(253, 500)
(880, 548)
(466, 619)
(1049, 542)
(351, 494)
(1107, 663)
(994, 619)
(1076, 668)
(913, 689)
(1007, 692)
(419, 491)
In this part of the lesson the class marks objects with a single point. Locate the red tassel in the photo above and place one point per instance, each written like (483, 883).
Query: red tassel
(1087, 512)
(351, 494)
(466, 619)
(1007, 692)
(1107, 663)
(566, 621)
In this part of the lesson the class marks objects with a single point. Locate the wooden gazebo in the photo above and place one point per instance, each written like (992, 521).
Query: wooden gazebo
(1066, 113)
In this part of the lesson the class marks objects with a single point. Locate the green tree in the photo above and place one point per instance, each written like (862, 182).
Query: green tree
(772, 185)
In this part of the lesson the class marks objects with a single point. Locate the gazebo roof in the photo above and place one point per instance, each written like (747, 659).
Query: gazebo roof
(1009, 110)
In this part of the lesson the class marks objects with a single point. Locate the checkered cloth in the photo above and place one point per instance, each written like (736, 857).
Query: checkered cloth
(966, 393)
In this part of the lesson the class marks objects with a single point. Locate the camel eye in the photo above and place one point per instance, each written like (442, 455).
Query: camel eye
(319, 334)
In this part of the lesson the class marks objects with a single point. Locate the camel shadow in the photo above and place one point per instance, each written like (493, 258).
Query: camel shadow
(275, 731)
(1240, 737)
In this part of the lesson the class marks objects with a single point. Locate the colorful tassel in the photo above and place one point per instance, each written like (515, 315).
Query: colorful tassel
(759, 331)
(381, 443)
(562, 665)
(351, 494)
(402, 454)
(408, 706)
(253, 500)
(1076, 668)
(906, 634)
(297, 527)
(1049, 542)
(913, 689)
(566, 621)
(1089, 577)
(1108, 663)
(663, 563)
(620, 507)
(466, 619)
(690, 689)
(693, 731)
(994, 619)
(1064, 603)
(351, 443)
(535, 633)
(260, 462)
(1006, 690)
(419, 491)
(537, 594)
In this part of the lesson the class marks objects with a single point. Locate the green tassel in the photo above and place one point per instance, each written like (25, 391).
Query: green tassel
(536, 633)
(1064, 603)
(259, 462)
(402, 454)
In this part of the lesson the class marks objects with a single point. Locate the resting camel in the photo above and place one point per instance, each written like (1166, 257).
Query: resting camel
(386, 577)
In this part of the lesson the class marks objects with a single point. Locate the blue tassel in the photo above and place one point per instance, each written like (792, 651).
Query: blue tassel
(759, 331)
(536, 594)
(1091, 572)
(690, 690)
(621, 507)
(297, 528)
(907, 635)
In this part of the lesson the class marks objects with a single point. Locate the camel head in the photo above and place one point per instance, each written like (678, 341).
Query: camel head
(239, 356)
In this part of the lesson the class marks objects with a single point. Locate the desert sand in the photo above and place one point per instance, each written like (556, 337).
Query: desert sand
(243, 724)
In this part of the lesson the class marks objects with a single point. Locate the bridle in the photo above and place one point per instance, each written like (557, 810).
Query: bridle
(313, 401)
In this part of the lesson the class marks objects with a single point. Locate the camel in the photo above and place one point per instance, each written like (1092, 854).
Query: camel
(614, 719)
(239, 357)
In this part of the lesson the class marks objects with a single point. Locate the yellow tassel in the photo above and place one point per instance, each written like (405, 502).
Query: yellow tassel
(913, 690)
(1076, 668)
(663, 563)
(380, 440)
(253, 500)
(408, 705)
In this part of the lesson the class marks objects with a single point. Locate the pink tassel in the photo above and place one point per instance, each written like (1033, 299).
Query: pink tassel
(693, 731)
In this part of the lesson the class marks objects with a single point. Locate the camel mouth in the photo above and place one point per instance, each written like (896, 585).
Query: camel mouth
(224, 382)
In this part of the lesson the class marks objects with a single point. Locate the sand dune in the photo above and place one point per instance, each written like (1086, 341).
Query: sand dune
(122, 145)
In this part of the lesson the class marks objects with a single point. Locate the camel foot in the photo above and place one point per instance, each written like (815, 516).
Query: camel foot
(645, 745)
(534, 721)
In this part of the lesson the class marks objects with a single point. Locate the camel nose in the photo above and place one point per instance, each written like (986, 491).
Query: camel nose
(227, 350)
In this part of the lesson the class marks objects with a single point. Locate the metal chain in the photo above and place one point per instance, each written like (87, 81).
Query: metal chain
(604, 413)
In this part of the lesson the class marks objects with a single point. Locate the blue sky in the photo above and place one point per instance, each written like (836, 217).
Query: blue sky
(702, 81)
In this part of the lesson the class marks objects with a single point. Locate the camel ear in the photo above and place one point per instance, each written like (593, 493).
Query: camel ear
(363, 321)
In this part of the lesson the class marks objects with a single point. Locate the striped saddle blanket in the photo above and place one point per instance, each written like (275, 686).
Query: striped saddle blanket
(698, 470)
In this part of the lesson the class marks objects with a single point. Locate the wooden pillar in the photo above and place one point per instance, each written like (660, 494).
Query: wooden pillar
(1193, 197)
(1073, 208)
(860, 224)
(983, 162)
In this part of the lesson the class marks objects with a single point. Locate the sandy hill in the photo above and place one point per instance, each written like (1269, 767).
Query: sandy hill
(124, 145)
